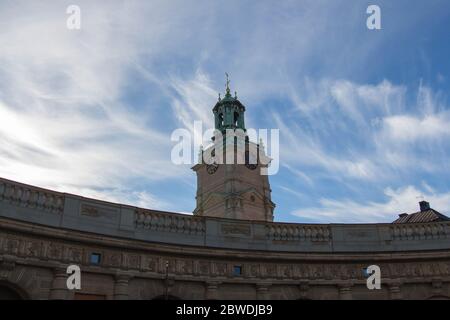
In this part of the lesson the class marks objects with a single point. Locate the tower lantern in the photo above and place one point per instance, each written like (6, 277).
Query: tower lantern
(229, 112)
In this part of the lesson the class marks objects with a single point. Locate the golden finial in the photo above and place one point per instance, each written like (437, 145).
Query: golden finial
(228, 84)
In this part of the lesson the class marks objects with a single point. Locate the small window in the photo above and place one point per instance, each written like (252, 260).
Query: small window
(95, 258)
(237, 270)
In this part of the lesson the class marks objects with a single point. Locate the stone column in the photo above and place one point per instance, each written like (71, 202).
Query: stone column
(59, 290)
(394, 291)
(169, 283)
(345, 292)
(211, 291)
(6, 267)
(303, 287)
(262, 291)
(436, 285)
(121, 287)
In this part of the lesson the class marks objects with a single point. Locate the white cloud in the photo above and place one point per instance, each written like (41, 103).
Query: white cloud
(300, 174)
(141, 199)
(408, 128)
(363, 131)
(63, 123)
(363, 102)
(397, 201)
(193, 100)
(300, 148)
(74, 105)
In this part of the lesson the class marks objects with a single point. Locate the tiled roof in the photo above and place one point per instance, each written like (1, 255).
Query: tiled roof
(429, 215)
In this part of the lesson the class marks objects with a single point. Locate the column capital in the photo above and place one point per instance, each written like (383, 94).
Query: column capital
(262, 290)
(263, 285)
(213, 283)
(345, 291)
(122, 277)
(211, 289)
(59, 290)
(303, 286)
(8, 263)
(394, 289)
(121, 286)
(436, 284)
(345, 285)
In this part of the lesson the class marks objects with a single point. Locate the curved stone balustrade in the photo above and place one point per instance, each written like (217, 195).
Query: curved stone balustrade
(31, 197)
(158, 221)
(279, 231)
(420, 231)
(27, 203)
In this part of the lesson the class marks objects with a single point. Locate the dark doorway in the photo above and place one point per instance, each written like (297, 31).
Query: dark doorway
(8, 292)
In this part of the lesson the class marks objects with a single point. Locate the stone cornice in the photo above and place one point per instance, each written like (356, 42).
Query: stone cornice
(94, 240)
(133, 259)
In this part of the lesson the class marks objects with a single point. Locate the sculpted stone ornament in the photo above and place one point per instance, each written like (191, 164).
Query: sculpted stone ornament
(251, 160)
(251, 166)
(212, 168)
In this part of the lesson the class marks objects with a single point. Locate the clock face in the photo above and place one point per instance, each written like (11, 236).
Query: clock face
(212, 168)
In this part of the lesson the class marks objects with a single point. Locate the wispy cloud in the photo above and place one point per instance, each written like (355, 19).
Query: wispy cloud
(381, 139)
(91, 111)
(397, 201)
(409, 129)
(63, 122)
(192, 102)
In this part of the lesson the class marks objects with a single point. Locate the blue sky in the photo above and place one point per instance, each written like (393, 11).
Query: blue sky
(364, 115)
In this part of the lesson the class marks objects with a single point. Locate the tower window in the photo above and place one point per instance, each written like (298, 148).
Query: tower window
(236, 117)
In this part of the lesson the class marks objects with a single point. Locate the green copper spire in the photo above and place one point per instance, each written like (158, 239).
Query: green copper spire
(229, 112)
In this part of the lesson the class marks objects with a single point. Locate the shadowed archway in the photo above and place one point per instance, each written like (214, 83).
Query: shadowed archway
(10, 291)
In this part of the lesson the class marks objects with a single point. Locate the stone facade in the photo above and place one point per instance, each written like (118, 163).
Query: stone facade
(230, 179)
(146, 254)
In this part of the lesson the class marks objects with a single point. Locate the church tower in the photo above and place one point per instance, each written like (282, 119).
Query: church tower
(229, 179)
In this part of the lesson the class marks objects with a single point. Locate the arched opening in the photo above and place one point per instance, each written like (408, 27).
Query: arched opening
(236, 118)
(11, 292)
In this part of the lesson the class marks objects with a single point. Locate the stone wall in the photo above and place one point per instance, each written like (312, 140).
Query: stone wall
(42, 232)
